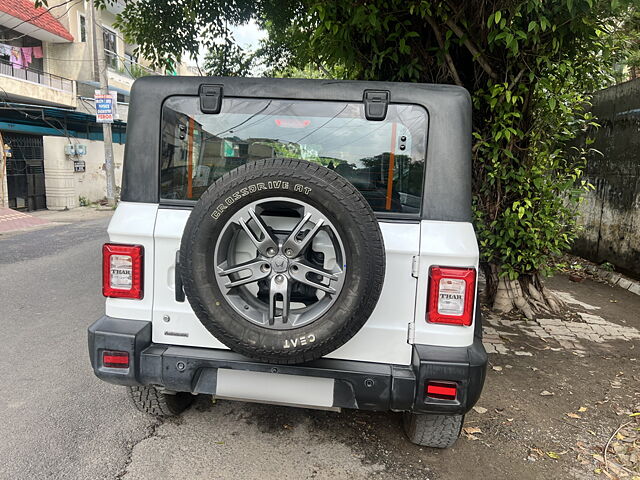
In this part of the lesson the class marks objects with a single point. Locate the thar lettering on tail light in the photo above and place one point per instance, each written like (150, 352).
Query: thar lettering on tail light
(122, 271)
(451, 294)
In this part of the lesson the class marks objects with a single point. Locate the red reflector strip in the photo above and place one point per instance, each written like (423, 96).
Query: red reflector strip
(113, 359)
(445, 391)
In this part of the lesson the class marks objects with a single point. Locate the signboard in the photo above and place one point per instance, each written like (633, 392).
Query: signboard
(227, 149)
(106, 106)
(79, 166)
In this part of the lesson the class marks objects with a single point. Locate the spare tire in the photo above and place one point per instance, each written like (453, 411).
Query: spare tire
(282, 260)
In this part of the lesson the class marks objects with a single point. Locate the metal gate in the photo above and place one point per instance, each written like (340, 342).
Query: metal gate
(25, 172)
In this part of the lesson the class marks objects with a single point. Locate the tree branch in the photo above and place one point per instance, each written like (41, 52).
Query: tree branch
(447, 57)
(477, 55)
(517, 78)
(324, 70)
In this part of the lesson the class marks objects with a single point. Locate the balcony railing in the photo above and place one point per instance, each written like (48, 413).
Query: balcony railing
(36, 76)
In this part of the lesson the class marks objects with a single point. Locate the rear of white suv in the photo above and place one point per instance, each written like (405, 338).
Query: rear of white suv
(207, 292)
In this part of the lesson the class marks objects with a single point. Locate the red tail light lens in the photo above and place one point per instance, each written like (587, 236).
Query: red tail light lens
(122, 271)
(451, 295)
(115, 359)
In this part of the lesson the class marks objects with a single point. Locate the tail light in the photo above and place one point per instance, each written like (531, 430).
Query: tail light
(122, 271)
(451, 295)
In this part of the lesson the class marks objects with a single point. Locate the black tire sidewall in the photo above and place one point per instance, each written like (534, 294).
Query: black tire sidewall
(324, 190)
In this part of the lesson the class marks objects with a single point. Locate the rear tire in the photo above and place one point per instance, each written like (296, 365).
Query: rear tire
(149, 399)
(435, 431)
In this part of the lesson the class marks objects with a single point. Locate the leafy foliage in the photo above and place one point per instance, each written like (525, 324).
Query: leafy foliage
(629, 37)
(228, 60)
(529, 65)
(309, 71)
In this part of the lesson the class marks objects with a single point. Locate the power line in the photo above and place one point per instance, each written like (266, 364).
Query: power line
(266, 117)
(32, 117)
(245, 121)
(325, 123)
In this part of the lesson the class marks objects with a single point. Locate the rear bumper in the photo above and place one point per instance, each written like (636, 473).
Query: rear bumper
(359, 385)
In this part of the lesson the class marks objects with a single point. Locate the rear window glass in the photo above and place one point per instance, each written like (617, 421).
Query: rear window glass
(384, 160)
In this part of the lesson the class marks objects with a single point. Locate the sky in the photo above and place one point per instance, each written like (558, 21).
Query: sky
(248, 36)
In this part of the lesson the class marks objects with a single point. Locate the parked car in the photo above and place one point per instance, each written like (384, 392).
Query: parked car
(296, 242)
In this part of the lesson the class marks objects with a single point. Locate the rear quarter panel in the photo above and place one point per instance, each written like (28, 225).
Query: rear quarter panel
(444, 244)
(133, 224)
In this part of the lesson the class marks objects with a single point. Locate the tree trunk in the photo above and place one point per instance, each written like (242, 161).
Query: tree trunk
(527, 294)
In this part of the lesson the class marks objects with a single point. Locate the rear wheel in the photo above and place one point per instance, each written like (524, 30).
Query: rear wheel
(149, 399)
(436, 431)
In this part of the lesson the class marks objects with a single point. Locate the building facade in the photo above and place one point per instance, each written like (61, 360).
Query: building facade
(48, 77)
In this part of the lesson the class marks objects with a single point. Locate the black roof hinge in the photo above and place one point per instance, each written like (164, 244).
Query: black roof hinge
(375, 104)
(210, 98)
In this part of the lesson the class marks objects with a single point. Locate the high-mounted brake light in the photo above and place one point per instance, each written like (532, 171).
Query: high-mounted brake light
(122, 271)
(451, 294)
(292, 122)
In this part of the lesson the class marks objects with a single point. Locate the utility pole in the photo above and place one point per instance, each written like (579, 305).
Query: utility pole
(100, 74)
(4, 197)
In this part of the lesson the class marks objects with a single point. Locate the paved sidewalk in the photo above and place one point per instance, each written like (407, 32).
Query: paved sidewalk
(560, 391)
(11, 220)
(559, 334)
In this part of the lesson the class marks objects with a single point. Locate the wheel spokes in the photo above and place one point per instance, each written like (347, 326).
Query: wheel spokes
(299, 271)
(293, 246)
(279, 290)
(257, 268)
(267, 243)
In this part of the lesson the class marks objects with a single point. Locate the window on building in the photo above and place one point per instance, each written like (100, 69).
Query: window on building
(83, 28)
(110, 48)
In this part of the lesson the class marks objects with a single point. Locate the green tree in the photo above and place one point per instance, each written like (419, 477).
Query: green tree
(629, 37)
(228, 60)
(529, 65)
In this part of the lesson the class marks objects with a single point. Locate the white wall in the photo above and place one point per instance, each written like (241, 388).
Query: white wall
(92, 184)
(63, 186)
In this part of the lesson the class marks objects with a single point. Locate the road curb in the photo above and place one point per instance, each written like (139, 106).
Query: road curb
(615, 278)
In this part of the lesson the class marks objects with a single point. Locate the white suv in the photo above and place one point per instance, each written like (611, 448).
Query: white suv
(297, 242)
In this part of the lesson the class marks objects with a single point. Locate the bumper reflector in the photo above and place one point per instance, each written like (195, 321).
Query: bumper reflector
(442, 390)
(115, 359)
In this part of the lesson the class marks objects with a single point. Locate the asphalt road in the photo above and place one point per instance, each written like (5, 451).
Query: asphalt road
(56, 419)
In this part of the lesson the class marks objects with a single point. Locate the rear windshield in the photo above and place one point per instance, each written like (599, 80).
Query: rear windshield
(384, 160)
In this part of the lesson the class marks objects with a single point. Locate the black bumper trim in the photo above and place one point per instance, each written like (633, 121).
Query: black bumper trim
(359, 385)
